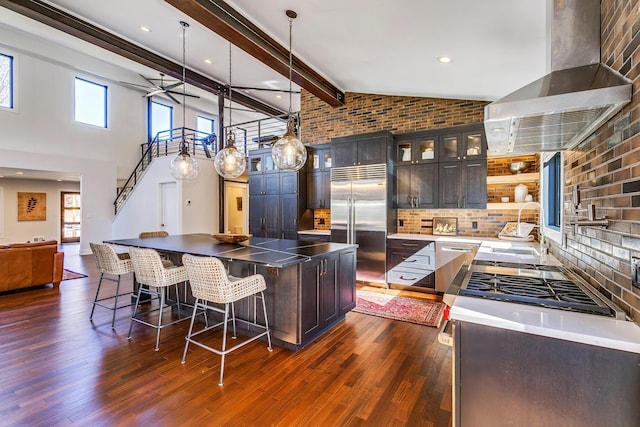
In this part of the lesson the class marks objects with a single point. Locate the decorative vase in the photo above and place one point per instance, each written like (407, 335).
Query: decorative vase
(520, 193)
(406, 154)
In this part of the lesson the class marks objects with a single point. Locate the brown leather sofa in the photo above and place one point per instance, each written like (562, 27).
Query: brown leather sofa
(23, 265)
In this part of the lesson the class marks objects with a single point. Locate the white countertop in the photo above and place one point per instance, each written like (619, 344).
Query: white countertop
(320, 232)
(578, 327)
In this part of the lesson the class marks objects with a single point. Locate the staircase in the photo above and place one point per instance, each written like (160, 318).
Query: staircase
(165, 143)
(249, 135)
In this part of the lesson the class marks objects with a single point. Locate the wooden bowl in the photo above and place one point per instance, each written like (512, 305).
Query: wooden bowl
(231, 238)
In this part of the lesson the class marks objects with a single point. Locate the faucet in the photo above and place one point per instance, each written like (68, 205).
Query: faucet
(543, 248)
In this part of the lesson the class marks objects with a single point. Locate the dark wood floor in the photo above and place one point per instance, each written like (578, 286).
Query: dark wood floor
(58, 368)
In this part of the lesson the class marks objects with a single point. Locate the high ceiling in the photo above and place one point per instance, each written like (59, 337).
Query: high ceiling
(379, 46)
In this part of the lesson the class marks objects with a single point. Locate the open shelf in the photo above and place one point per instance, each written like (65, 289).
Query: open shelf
(516, 178)
(506, 206)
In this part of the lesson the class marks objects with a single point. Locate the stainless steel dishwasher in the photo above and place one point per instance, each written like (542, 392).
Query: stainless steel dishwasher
(450, 256)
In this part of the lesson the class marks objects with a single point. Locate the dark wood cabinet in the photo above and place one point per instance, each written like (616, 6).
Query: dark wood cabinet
(319, 158)
(463, 145)
(364, 149)
(277, 200)
(346, 278)
(463, 184)
(411, 263)
(444, 168)
(417, 186)
(320, 294)
(421, 147)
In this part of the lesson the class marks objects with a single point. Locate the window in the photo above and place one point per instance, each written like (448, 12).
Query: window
(160, 120)
(552, 191)
(91, 103)
(6, 81)
(205, 127)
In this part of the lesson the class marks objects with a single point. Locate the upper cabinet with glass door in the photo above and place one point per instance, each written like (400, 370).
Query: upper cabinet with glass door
(462, 146)
(260, 161)
(319, 157)
(419, 149)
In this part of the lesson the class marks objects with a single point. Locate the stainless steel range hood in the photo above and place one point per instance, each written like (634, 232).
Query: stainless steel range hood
(560, 110)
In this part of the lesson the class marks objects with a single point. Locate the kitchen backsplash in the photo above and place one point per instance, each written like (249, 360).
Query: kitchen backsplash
(471, 222)
(322, 219)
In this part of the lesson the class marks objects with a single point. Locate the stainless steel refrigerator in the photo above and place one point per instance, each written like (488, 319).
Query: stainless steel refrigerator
(359, 215)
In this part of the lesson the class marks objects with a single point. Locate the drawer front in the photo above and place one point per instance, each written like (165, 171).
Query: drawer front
(410, 277)
(409, 245)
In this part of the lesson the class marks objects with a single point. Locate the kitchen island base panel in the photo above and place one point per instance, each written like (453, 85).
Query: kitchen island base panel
(506, 378)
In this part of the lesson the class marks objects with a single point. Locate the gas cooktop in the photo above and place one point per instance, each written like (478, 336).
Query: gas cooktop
(541, 285)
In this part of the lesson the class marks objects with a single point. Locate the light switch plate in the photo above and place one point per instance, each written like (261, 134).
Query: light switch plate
(635, 272)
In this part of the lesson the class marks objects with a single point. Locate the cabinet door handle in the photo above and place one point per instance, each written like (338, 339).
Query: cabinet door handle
(410, 245)
(407, 278)
(405, 259)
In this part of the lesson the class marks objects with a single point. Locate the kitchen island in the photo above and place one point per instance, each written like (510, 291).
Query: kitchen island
(310, 285)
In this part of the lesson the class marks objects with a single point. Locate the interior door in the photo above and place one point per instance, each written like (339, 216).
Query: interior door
(70, 217)
(168, 208)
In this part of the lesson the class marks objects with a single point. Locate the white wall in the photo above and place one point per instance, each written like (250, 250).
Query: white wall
(40, 132)
(141, 212)
(22, 231)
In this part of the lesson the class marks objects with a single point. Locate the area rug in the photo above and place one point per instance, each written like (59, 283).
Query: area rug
(414, 310)
(68, 275)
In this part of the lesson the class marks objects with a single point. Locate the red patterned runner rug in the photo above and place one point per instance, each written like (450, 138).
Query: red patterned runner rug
(406, 309)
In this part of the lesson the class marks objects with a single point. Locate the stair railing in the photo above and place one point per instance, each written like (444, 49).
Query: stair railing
(165, 143)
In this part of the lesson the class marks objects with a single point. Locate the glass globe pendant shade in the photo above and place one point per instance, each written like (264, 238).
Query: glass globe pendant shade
(288, 153)
(184, 167)
(229, 162)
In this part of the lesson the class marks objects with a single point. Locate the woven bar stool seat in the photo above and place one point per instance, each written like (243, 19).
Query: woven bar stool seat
(150, 272)
(210, 284)
(160, 233)
(113, 265)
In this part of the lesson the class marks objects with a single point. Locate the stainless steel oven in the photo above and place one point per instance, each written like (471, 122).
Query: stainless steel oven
(509, 371)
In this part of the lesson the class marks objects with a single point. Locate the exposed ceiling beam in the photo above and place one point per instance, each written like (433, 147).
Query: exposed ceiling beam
(225, 21)
(60, 20)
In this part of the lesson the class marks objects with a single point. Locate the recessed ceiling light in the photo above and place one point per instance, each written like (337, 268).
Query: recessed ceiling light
(19, 173)
(278, 96)
(145, 29)
(207, 61)
(59, 180)
(444, 59)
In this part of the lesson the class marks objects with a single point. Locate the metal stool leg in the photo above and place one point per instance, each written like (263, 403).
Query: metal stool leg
(135, 311)
(224, 342)
(193, 319)
(96, 298)
(233, 320)
(115, 303)
(162, 297)
(266, 321)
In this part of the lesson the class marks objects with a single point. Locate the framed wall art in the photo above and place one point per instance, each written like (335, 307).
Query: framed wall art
(445, 226)
(32, 206)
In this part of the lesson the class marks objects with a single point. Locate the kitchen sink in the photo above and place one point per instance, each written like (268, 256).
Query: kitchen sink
(516, 251)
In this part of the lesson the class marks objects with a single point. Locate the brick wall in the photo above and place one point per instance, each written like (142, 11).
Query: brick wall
(609, 163)
(364, 113)
(487, 222)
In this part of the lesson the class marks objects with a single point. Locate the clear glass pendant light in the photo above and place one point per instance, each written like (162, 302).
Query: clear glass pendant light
(229, 162)
(288, 152)
(184, 167)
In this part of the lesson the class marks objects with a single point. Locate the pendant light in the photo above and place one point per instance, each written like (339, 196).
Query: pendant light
(229, 162)
(288, 153)
(184, 167)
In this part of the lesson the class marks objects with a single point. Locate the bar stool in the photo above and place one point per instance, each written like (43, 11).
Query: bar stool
(210, 284)
(149, 271)
(145, 234)
(166, 261)
(111, 263)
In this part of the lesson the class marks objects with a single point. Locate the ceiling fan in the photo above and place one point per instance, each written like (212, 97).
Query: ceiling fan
(160, 86)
